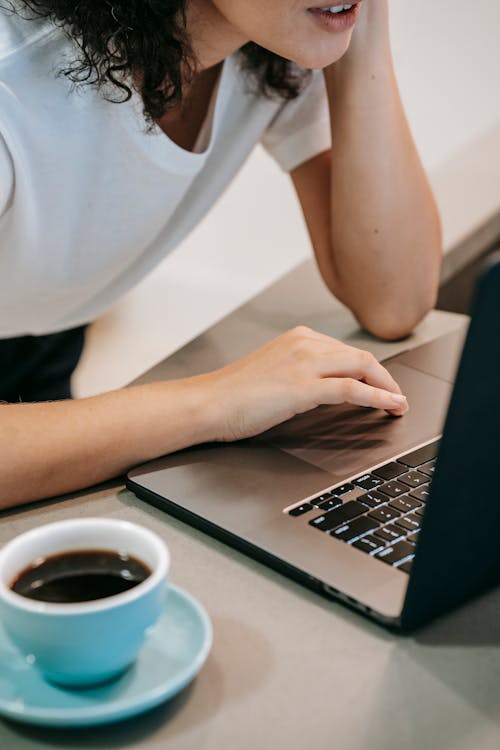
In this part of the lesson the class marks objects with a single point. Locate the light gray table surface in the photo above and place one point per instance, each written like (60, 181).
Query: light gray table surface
(289, 669)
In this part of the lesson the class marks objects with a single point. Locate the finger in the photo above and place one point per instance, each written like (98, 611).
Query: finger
(351, 391)
(360, 365)
(400, 410)
(336, 359)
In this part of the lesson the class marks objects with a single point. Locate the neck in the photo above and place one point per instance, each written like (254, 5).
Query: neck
(212, 37)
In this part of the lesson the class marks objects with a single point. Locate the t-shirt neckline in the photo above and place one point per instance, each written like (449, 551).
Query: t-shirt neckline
(161, 149)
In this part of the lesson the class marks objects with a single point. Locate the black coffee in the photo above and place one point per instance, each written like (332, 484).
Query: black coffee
(80, 576)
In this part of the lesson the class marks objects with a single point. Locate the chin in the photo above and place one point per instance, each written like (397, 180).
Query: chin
(320, 57)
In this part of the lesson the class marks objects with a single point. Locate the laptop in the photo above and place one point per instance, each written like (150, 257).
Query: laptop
(396, 518)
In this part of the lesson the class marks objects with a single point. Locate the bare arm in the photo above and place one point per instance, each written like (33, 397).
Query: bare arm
(51, 448)
(368, 205)
(55, 447)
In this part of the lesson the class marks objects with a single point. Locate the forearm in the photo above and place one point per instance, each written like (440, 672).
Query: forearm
(52, 448)
(385, 229)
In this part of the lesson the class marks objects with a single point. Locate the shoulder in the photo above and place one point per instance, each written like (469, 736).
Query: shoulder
(18, 34)
(301, 128)
(28, 48)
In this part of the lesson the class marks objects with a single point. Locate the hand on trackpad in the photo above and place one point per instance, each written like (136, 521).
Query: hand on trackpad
(346, 439)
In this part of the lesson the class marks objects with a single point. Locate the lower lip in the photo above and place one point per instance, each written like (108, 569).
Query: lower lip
(335, 22)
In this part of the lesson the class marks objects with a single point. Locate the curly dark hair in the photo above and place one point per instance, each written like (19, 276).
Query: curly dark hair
(148, 40)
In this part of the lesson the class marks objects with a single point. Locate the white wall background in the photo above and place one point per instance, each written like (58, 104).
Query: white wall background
(447, 57)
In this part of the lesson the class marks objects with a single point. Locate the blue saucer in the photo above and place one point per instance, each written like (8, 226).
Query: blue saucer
(173, 654)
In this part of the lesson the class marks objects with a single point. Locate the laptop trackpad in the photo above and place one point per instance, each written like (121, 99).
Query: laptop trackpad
(346, 440)
(439, 357)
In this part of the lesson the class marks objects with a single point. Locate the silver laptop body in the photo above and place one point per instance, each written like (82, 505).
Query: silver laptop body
(246, 493)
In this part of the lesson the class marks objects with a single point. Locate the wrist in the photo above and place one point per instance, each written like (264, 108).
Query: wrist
(165, 417)
(198, 411)
(209, 406)
(370, 43)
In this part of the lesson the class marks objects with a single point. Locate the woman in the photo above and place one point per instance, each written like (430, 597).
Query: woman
(97, 184)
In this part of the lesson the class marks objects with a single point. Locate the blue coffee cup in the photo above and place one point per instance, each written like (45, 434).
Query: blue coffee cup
(83, 643)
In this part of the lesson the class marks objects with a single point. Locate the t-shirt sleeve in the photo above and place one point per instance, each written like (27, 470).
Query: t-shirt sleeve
(6, 176)
(301, 128)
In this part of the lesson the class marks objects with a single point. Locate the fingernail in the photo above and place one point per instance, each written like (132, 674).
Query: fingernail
(397, 399)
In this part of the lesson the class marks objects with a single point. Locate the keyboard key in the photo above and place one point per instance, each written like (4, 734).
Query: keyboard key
(406, 566)
(413, 538)
(384, 514)
(421, 493)
(316, 501)
(410, 522)
(320, 522)
(373, 499)
(393, 489)
(405, 504)
(413, 479)
(428, 468)
(390, 471)
(389, 533)
(352, 495)
(420, 456)
(420, 511)
(300, 510)
(333, 502)
(337, 517)
(338, 491)
(369, 544)
(396, 553)
(368, 482)
(353, 530)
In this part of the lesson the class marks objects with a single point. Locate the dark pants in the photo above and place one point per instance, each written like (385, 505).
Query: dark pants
(39, 368)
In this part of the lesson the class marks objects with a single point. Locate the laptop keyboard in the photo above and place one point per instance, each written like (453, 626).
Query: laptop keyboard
(379, 513)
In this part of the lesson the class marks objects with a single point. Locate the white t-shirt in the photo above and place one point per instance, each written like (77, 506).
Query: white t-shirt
(89, 201)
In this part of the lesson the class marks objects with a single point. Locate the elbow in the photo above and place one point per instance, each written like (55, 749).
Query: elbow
(397, 320)
(389, 329)
(390, 309)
